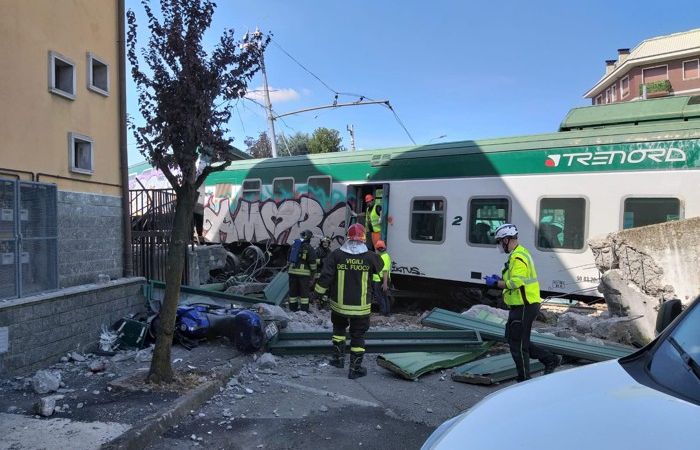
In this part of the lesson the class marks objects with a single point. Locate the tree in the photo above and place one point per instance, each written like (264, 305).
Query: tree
(325, 140)
(186, 101)
(296, 144)
(260, 147)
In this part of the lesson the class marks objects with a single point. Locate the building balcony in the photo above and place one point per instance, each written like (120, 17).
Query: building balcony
(656, 89)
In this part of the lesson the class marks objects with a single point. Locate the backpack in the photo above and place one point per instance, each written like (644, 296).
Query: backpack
(295, 251)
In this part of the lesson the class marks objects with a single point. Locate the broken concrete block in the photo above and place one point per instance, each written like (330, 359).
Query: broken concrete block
(476, 310)
(45, 381)
(267, 361)
(75, 356)
(626, 299)
(144, 355)
(98, 365)
(577, 322)
(47, 405)
(272, 312)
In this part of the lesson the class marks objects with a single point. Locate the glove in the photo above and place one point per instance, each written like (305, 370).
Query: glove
(492, 280)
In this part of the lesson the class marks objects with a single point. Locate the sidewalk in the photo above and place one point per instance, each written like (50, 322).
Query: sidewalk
(109, 404)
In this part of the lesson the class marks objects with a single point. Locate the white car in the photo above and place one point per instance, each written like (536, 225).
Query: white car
(648, 400)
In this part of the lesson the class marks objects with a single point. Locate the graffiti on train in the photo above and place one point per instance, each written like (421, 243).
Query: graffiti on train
(264, 221)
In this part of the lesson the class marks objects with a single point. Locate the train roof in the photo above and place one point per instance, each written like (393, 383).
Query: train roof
(664, 119)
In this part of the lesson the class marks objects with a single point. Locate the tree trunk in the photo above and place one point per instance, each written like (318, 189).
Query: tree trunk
(161, 368)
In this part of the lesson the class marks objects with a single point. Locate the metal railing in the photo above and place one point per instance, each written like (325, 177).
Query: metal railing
(152, 214)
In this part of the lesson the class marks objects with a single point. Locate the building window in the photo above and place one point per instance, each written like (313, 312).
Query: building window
(251, 190)
(319, 188)
(561, 224)
(624, 87)
(613, 92)
(599, 99)
(80, 149)
(485, 216)
(428, 220)
(61, 75)
(652, 74)
(282, 188)
(639, 212)
(691, 69)
(98, 75)
(607, 96)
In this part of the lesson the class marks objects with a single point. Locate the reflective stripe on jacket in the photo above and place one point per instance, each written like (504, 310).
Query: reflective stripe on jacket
(520, 278)
(307, 261)
(386, 259)
(348, 277)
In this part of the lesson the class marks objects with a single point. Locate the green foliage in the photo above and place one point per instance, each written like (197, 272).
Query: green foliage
(296, 144)
(656, 86)
(260, 147)
(325, 140)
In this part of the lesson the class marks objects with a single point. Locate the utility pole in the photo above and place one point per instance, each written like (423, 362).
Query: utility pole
(351, 130)
(268, 108)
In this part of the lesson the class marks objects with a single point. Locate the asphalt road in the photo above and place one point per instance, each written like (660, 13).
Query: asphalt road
(305, 403)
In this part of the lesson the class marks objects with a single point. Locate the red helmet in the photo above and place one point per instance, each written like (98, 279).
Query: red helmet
(356, 232)
(369, 198)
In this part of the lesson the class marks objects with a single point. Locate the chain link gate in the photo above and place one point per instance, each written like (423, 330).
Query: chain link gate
(28, 238)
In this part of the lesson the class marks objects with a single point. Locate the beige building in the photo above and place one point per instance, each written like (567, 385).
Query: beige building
(64, 225)
(657, 67)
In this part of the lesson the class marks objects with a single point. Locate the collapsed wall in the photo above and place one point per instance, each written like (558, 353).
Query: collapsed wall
(642, 267)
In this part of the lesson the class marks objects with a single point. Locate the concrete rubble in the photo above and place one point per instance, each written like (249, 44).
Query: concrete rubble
(643, 267)
(45, 381)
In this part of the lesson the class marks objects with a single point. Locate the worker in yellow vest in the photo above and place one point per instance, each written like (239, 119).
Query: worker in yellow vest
(382, 279)
(373, 218)
(521, 293)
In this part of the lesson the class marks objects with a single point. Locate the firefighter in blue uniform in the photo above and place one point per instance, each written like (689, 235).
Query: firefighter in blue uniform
(347, 275)
(302, 266)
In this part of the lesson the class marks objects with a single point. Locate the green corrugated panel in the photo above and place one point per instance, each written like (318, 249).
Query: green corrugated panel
(466, 335)
(278, 288)
(491, 370)
(316, 346)
(670, 108)
(443, 319)
(232, 298)
(414, 364)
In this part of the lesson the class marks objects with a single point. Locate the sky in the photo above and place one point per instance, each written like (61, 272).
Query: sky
(452, 70)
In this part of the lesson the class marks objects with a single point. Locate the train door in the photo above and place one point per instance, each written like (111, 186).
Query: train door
(357, 207)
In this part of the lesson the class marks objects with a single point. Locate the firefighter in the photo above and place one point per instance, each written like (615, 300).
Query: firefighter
(381, 281)
(521, 293)
(322, 251)
(347, 274)
(373, 218)
(302, 267)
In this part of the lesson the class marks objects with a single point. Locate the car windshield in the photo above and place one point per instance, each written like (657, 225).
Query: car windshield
(681, 350)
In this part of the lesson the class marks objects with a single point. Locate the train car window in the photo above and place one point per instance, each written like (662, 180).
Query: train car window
(428, 220)
(639, 212)
(319, 188)
(562, 223)
(282, 188)
(485, 216)
(250, 191)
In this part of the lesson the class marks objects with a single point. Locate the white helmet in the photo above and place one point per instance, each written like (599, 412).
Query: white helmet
(506, 230)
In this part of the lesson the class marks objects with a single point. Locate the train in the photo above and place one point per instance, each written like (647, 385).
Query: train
(607, 168)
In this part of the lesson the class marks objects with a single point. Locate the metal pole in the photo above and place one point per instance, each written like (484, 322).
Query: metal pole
(268, 107)
(351, 130)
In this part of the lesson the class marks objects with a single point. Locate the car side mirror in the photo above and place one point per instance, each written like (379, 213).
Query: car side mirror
(669, 310)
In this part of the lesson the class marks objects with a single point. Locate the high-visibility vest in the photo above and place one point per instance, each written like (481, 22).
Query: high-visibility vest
(520, 278)
(372, 219)
(386, 259)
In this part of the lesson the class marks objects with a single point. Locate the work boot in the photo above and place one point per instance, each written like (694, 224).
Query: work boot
(550, 366)
(294, 306)
(356, 369)
(305, 307)
(338, 359)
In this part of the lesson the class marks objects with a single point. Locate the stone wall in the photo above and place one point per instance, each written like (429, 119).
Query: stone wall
(42, 328)
(89, 237)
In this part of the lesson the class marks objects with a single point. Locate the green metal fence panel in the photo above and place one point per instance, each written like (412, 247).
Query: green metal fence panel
(491, 370)
(467, 335)
(317, 346)
(414, 364)
(443, 319)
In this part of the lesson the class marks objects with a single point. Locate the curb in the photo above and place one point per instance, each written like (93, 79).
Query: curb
(156, 424)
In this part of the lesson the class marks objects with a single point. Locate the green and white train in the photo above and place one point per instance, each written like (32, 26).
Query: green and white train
(609, 167)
